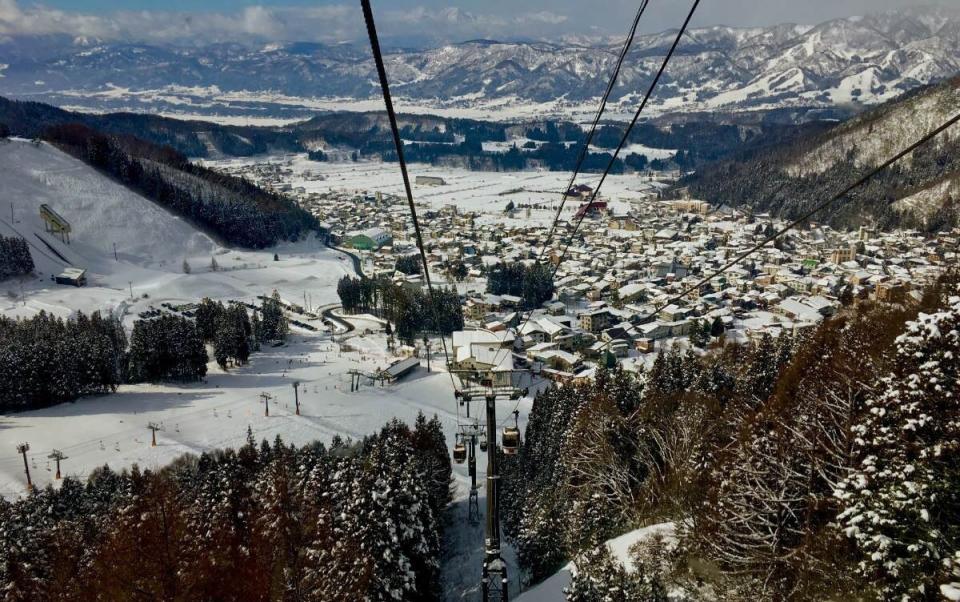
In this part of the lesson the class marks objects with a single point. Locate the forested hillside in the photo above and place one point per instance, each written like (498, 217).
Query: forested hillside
(553, 144)
(921, 191)
(352, 521)
(236, 210)
(691, 140)
(15, 259)
(191, 138)
(802, 468)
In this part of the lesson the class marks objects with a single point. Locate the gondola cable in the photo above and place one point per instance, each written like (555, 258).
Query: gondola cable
(584, 150)
(391, 115)
(616, 154)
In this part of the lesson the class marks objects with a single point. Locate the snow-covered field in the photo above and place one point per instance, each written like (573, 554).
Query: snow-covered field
(151, 245)
(256, 107)
(480, 191)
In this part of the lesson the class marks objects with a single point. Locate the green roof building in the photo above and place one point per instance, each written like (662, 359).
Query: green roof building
(370, 240)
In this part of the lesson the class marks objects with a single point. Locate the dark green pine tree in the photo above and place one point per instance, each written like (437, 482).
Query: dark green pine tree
(273, 323)
(716, 328)
(232, 339)
(206, 318)
(602, 578)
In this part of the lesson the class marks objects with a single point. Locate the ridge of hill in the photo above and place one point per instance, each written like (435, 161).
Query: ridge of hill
(921, 191)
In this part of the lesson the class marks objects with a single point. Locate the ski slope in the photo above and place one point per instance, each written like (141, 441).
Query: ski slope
(151, 247)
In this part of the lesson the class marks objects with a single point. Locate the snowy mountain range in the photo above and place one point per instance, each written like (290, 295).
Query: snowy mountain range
(857, 60)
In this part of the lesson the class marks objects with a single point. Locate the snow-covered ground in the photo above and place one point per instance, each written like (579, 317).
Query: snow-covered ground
(480, 191)
(551, 589)
(151, 246)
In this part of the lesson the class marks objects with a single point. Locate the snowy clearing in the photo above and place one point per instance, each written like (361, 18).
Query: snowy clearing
(480, 191)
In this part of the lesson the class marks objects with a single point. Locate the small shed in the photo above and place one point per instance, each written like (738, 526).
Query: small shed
(72, 277)
(399, 369)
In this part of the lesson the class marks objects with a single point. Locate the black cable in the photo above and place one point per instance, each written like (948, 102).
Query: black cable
(584, 151)
(392, 116)
(616, 154)
(863, 180)
(626, 134)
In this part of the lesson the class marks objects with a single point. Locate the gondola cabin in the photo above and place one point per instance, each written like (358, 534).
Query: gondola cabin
(511, 440)
(459, 453)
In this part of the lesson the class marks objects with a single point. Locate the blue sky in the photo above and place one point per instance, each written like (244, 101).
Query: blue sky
(428, 20)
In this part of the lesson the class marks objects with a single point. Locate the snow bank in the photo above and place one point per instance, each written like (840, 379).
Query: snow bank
(551, 590)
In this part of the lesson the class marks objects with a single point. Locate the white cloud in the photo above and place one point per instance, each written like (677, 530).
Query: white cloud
(14, 20)
(328, 23)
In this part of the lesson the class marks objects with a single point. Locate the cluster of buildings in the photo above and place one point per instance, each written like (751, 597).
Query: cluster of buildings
(634, 285)
(619, 281)
(618, 290)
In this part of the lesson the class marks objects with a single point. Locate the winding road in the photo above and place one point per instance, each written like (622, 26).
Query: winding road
(327, 313)
(330, 318)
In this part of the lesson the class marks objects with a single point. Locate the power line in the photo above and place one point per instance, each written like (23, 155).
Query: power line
(860, 182)
(391, 115)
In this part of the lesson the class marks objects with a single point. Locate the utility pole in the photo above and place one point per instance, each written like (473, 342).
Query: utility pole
(266, 397)
(296, 396)
(154, 427)
(115, 258)
(494, 577)
(57, 455)
(22, 449)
